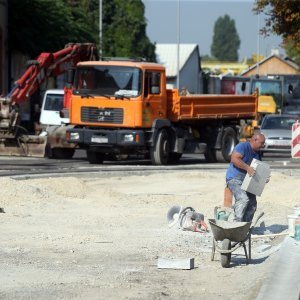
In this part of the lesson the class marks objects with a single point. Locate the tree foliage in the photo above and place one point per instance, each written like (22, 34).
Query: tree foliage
(37, 26)
(283, 18)
(124, 28)
(226, 41)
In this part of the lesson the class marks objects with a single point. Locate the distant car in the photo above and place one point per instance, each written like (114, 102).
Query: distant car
(278, 132)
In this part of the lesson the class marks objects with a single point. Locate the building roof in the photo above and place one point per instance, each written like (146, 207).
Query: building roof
(285, 60)
(166, 54)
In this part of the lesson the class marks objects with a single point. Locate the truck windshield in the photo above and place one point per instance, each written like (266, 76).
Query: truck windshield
(269, 88)
(108, 81)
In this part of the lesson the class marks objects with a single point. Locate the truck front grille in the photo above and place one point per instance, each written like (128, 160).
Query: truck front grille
(102, 115)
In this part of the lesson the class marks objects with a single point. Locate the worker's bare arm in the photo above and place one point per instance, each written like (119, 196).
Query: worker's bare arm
(236, 159)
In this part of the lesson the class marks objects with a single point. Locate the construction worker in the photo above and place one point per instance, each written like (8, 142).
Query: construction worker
(245, 203)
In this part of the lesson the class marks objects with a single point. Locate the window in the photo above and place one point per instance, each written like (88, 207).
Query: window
(152, 83)
(108, 80)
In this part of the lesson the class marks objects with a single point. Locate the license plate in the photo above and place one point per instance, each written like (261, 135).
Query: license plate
(282, 143)
(99, 139)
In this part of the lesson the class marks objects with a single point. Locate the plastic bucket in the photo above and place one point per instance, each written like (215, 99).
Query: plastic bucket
(291, 223)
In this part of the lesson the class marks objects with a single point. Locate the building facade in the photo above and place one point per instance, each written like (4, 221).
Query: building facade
(189, 69)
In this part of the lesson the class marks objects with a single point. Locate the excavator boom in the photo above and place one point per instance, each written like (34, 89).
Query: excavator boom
(13, 138)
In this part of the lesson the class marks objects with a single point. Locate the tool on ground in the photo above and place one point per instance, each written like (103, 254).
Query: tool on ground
(187, 218)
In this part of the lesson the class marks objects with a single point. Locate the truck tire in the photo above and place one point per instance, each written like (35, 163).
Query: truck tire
(94, 157)
(228, 142)
(160, 152)
(62, 153)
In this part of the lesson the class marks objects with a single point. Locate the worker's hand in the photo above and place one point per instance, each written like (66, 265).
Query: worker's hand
(251, 171)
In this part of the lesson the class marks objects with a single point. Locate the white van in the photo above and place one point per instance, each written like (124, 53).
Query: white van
(54, 127)
(53, 102)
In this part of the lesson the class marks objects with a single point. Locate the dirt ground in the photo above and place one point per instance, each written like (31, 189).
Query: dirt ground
(101, 237)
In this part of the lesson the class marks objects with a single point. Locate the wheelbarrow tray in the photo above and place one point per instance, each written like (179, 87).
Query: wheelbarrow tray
(234, 231)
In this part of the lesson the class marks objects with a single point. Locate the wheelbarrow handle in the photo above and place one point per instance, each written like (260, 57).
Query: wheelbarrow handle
(257, 219)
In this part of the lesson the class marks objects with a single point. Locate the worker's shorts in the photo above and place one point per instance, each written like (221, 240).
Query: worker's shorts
(245, 203)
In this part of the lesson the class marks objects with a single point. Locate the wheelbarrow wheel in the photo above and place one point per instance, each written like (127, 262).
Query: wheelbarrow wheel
(226, 257)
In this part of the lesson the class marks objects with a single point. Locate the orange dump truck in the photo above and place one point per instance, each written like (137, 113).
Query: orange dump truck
(123, 107)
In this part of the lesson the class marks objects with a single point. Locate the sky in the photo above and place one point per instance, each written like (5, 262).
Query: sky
(196, 24)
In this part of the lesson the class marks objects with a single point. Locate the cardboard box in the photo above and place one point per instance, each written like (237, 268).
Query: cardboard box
(255, 184)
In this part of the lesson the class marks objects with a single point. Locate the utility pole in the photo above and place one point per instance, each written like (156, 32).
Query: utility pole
(100, 29)
(257, 49)
(178, 42)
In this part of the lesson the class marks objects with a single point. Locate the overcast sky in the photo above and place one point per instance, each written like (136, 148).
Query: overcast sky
(197, 19)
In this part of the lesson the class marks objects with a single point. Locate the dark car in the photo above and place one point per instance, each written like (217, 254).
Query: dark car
(278, 132)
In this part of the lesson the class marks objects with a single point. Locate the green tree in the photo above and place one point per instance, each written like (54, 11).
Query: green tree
(124, 30)
(37, 26)
(283, 18)
(226, 41)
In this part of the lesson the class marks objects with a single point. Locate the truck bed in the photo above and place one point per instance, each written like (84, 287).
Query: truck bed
(211, 106)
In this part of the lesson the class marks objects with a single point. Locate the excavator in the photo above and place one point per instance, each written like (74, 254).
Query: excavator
(15, 140)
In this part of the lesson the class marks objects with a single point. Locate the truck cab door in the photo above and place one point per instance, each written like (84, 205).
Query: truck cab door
(154, 104)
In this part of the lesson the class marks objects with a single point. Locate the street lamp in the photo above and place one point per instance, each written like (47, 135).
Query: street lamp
(178, 42)
(257, 49)
(100, 29)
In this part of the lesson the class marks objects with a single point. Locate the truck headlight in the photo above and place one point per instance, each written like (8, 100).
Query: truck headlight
(74, 136)
(129, 137)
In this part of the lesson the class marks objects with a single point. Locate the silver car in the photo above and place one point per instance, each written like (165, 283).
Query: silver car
(278, 132)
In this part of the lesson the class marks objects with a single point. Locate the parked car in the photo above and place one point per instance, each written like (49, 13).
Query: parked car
(278, 132)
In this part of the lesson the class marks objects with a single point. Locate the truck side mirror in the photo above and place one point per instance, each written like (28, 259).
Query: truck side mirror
(290, 89)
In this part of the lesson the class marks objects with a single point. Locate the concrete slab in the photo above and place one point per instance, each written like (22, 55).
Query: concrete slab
(175, 263)
(255, 184)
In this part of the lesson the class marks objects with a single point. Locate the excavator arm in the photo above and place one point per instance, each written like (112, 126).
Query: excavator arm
(13, 139)
(49, 65)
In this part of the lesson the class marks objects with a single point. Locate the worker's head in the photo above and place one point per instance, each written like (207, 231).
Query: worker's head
(257, 141)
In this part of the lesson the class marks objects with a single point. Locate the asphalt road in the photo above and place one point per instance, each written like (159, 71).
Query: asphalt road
(12, 166)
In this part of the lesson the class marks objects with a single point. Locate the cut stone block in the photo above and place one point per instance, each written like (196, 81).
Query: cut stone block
(256, 184)
(175, 263)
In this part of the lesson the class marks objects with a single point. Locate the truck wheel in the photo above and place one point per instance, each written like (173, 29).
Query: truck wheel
(161, 151)
(94, 157)
(229, 140)
(62, 153)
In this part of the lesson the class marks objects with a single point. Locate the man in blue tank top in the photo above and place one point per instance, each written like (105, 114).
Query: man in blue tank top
(242, 155)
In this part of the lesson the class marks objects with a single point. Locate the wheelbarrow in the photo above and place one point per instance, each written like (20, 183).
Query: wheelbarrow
(229, 236)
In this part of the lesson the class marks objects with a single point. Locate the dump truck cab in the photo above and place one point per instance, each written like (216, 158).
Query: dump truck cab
(131, 94)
